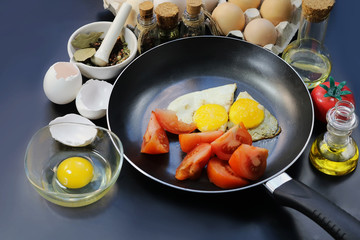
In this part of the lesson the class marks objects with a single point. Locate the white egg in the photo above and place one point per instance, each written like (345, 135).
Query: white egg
(73, 135)
(62, 82)
(93, 98)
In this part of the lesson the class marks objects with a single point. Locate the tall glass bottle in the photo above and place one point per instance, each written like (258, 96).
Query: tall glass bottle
(146, 29)
(192, 20)
(167, 16)
(335, 152)
(308, 55)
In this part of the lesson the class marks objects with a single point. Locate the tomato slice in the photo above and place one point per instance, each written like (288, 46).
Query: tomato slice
(249, 161)
(194, 162)
(170, 122)
(155, 140)
(226, 144)
(190, 140)
(220, 173)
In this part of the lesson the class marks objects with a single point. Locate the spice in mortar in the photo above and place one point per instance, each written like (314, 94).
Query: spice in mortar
(88, 44)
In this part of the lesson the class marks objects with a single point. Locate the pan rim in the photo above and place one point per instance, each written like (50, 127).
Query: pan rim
(255, 184)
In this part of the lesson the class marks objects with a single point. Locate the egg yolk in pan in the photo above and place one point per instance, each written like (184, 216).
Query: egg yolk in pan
(75, 172)
(210, 117)
(248, 111)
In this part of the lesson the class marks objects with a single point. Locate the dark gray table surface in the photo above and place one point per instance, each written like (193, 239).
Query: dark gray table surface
(34, 36)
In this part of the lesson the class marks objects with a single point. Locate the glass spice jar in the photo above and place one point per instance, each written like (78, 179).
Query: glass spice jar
(146, 29)
(167, 16)
(192, 19)
(308, 54)
(335, 152)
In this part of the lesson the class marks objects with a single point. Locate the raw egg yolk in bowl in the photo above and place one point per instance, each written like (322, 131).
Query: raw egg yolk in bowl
(75, 172)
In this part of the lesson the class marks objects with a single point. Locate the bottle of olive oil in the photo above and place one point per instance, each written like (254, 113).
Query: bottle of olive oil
(335, 152)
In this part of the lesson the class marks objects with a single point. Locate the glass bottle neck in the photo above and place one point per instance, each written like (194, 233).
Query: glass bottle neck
(196, 17)
(313, 30)
(341, 121)
(147, 22)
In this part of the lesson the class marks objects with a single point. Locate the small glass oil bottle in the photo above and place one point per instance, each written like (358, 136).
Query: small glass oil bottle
(146, 29)
(308, 55)
(335, 152)
(167, 16)
(192, 20)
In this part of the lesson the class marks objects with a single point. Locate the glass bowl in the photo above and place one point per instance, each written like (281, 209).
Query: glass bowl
(56, 142)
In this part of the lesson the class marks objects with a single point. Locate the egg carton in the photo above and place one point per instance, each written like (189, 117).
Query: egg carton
(286, 30)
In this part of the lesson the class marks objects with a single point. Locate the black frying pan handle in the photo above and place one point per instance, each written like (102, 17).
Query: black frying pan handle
(337, 222)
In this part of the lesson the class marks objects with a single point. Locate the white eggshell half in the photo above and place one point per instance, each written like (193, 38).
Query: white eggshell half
(62, 82)
(73, 135)
(93, 99)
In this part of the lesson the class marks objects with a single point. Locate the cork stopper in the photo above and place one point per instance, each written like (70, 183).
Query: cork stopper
(146, 9)
(193, 7)
(317, 10)
(167, 15)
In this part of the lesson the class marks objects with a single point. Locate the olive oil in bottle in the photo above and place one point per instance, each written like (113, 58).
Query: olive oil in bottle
(335, 152)
(307, 54)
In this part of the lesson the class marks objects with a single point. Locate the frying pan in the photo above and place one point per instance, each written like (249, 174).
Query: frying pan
(170, 70)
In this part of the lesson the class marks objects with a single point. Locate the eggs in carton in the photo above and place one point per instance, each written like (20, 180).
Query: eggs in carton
(284, 15)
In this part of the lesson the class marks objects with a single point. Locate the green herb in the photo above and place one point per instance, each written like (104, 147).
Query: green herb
(83, 54)
(83, 40)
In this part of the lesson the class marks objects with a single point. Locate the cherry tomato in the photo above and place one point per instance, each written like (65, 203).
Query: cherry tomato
(190, 140)
(326, 95)
(194, 162)
(249, 161)
(226, 144)
(220, 173)
(155, 140)
(169, 121)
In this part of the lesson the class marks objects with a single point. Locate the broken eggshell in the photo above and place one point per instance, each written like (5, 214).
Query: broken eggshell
(93, 98)
(62, 82)
(76, 135)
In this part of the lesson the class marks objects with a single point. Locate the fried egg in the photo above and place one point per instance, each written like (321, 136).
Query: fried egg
(261, 124)
(210, 117)
(215, 101)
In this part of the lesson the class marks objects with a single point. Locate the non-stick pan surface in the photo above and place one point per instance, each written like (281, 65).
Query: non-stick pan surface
(168, 71)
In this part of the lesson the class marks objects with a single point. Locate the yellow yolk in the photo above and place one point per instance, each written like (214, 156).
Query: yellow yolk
(75, 172)
(210, 117)
(248, 111)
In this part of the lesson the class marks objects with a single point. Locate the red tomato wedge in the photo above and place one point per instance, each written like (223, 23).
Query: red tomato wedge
(194, 162)
(249, 161)
(190, 140)
(226, 144)
(155, 140)
(170, 122)
(220, 173)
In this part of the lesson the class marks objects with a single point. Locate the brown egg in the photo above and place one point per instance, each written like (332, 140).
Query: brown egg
(261, 32)
(245, 4)
(229, 16)
(276, 11)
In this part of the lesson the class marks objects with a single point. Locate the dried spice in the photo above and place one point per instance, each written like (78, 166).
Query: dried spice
(119, 53)
(84, 54)
(84, 40)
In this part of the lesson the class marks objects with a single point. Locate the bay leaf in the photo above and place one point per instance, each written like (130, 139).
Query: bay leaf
(83, 54)
(84, 40)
